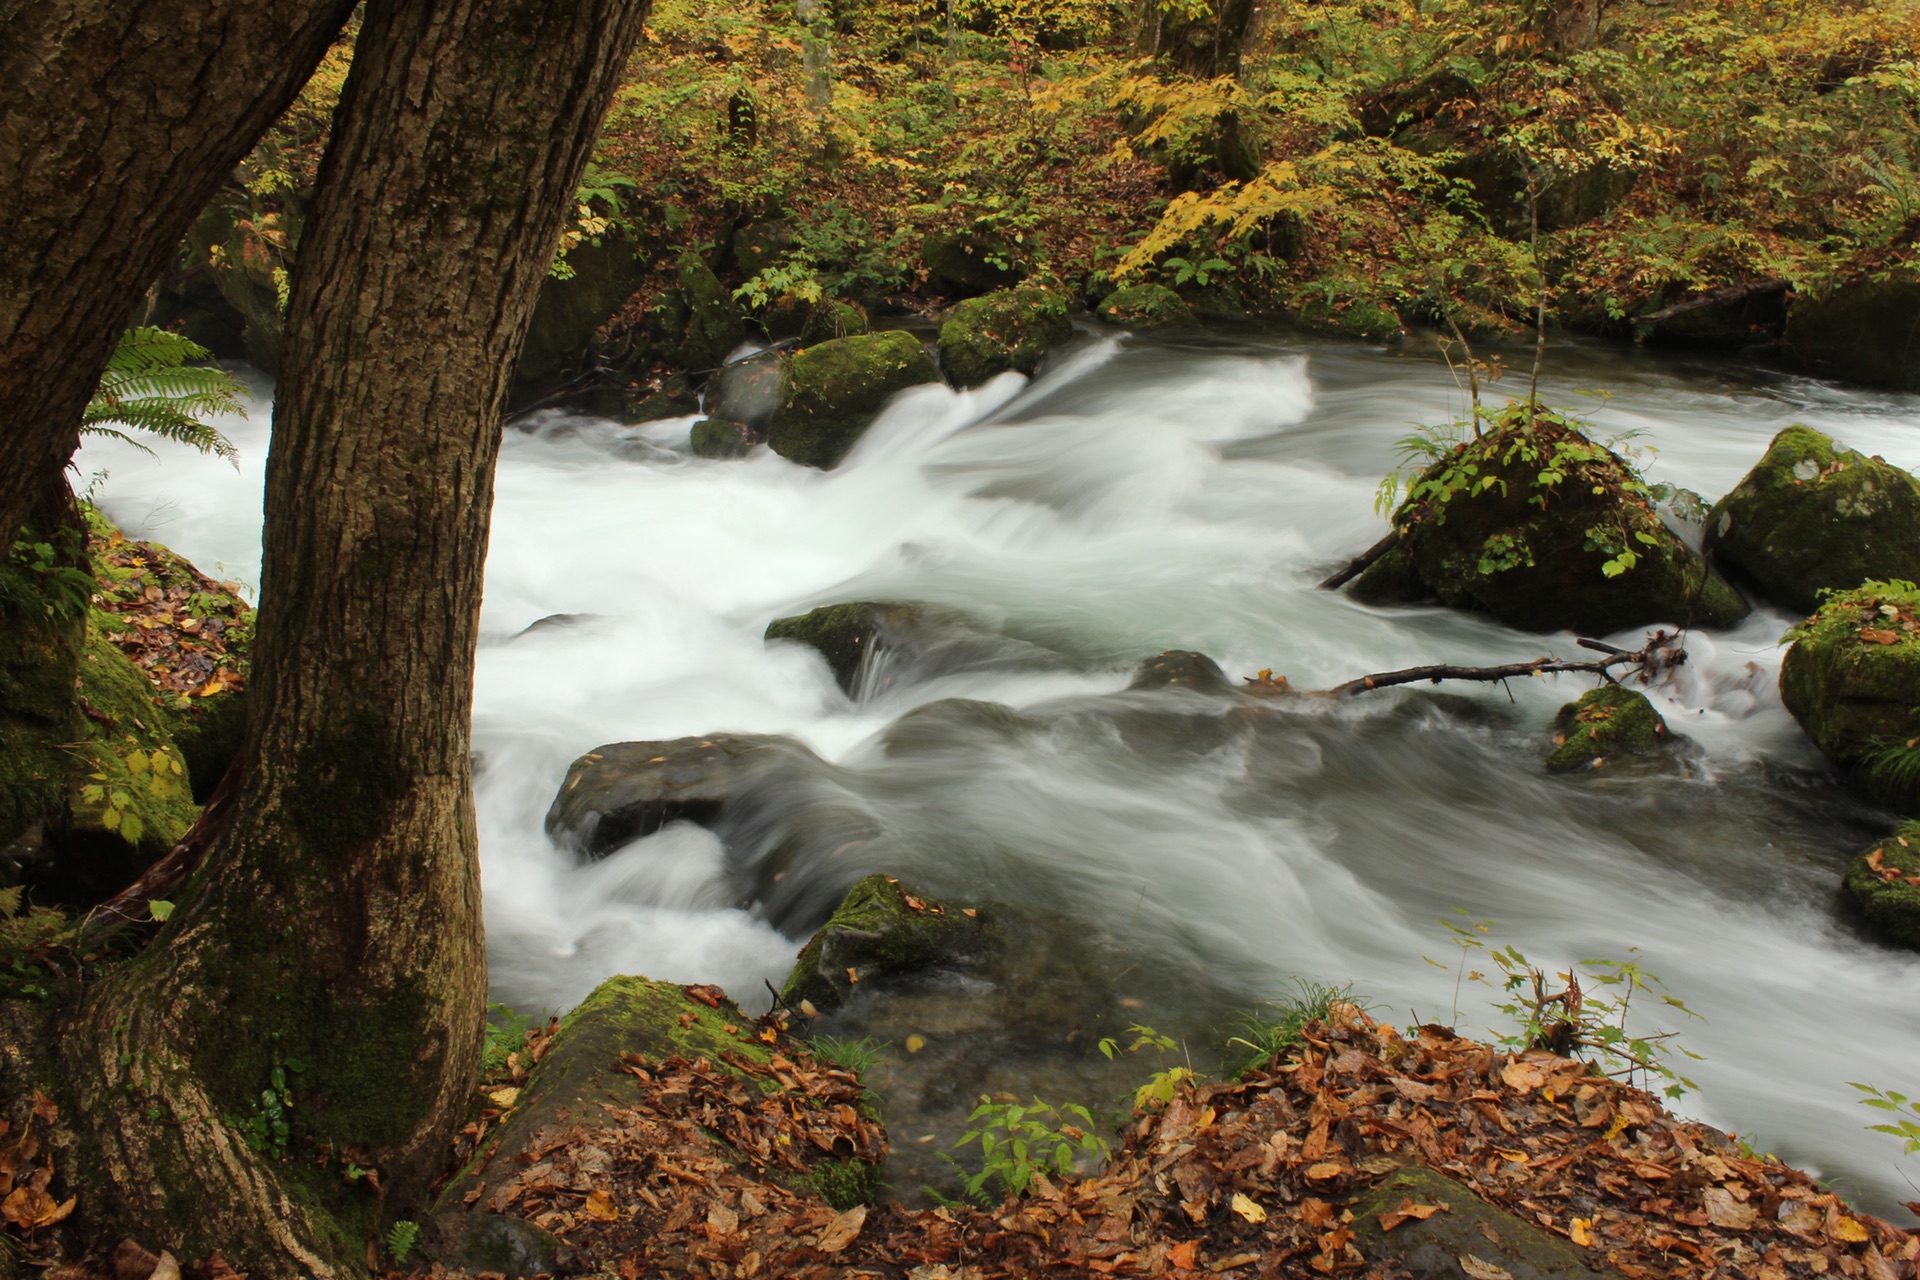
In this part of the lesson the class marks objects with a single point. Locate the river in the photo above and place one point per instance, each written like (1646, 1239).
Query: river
(1141, 496)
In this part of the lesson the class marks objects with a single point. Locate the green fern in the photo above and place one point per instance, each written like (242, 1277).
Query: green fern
(149, 386)
(400, 1239)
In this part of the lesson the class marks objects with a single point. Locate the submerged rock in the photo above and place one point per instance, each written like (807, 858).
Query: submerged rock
(1852, 680)
(1009, 330)
(1814, 516)
(1610, 721)
(879, 931)
(870, 646)
(1548, 531)
(617, 793)
(1182, 668)
(1144, 307)
(723, 438)
(832, 392)
(1884, 882)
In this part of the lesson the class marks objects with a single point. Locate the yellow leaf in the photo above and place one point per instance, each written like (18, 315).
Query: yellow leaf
(916, 1042)
(1850, 1230)
(1247, 1209)
(600, 1207)
(1580, 1231)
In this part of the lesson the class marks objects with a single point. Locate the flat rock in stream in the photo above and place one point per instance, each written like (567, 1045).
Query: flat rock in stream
(1607, 723)
(622, 791)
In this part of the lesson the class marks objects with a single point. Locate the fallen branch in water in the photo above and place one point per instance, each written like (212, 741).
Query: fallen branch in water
(1714, 297)
(1362, 562)
(1661, 652)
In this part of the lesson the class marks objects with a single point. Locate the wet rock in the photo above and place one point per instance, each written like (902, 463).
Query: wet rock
(1184, 669)
(832, 318)
(1438, 1247)
(966, 263)
(747, 390)
(502, 1245)
(675, 399)
(1868, 332)
(1145, 307)
(617, 793)
(843, 633)
(1852, 680)
(1605, 723)
(555, 622)
(833, 391)
(699, 317)
(880, 931)
(871, 646)
(569, 311)
(1814, 516)
(1884, 882)
(723, 438)
(1522, 534)
(1361, 319)
(1392, 579)
(1008, 330)
(1735, 322)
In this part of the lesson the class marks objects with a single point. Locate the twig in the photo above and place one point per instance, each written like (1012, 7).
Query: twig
(1362, 562)
(1658, 654)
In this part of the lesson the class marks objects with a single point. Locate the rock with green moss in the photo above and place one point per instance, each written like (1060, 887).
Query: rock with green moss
(1363, 319)
(965, 263)
(1884, 882)
(674, 399)
(1145, 307)
(1392, 579)
(844, 634)
(1606, 723)
(1866, 332)
(723, 438)
(570, 311)
(832, 318)
(833, 391)
(698, 317)
(617, 793)
(1548, 531)
(880, 931)
(1470, 1230)
(1008, 330)
(1852, 680)
(1813, 516)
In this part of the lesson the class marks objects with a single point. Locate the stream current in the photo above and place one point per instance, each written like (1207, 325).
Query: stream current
(1140, 496)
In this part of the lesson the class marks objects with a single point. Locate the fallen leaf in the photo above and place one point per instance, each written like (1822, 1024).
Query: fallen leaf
(1848, 1229)
(600, 1207)
(1408, 1212)
(841, 1231)
(503, 1097)
(1325, 1169)
(1480, 1269)
(168, 1268)
(1523, 1077)
(1580, 1231)
(1724, 1211)
(31, 1208)
(1248, 1209)
(721, 1221)
(1181, 1255)
(707, 995)
(1873, 635)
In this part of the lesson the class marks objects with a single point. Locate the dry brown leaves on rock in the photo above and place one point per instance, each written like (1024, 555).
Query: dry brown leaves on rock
(175, 623)
(29, 1202)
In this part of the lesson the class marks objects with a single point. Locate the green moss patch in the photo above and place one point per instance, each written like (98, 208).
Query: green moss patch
(1885, 883)
(880, 930)
(1606, 722)
(1852, 680)
(1145, 307)
(1813, 516)
(833, 391)
(1009, 330)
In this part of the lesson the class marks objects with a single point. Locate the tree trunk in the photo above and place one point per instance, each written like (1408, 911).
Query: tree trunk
(121, 121)
(330, 952)
(1203, 40)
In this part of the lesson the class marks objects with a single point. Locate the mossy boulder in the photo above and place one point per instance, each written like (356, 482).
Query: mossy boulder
(698, 317)
(1008, 330)
(880, 930)
(1814, 516)
(1884, 882)
(569, 312)
(965, 263)
(615, 794)
(1852, 680)
(759, 245)
(1867, 332)
(673, 399)
(833, 391)
(1547, 530)
(1606, 723)
(832, 318)
(1392, 579)
(844, 634)
(1145, 307)
(1434, 1248)
(747, 390)
(723, 438)
(1362, 319)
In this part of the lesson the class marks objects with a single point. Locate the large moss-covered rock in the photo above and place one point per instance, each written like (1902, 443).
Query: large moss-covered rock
(617, 793)
(701, 318)
(723, 438)
(1603, 724)
(1438, 1247)
(1884, 882)
(1852, 680)
(570, 311)
(881, 930)
(1548, 531)
(1362, 319)
(1814, 516)
(1008, 330)
(833, 392)
(1145, 307)
(1392, 579)
(965, 263)
(844, 634)
(1868, 332)
(832, 318)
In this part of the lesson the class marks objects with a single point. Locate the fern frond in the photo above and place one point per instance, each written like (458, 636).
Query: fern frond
(149, 386)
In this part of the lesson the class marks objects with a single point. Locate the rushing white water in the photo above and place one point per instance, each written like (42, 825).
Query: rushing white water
(1141, 497)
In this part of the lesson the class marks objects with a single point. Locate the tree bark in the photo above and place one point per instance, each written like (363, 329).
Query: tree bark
(1203, 41)
(334, 933)
(118, 121)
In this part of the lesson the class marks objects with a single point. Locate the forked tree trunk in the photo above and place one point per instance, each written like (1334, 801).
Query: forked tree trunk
(336, 925)
(118, 122)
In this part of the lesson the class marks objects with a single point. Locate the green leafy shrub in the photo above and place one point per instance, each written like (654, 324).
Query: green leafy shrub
(1018, 1143)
